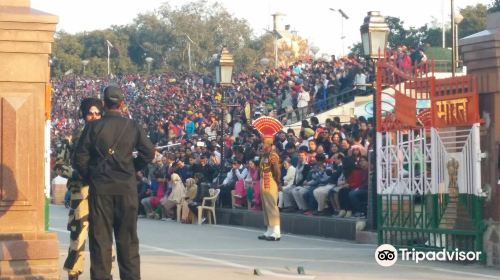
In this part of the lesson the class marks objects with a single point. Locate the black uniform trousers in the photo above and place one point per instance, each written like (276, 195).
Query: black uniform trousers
(114, 214)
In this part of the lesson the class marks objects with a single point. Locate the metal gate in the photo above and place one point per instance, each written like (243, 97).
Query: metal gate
(429, 194)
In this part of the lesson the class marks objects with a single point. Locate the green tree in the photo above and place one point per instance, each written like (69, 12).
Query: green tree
(474, 20)
(397, 33)
(494, 7)
(356, 49)
(165, 36)
(149, 36)
(434, 37)
(206, 28)
(431, 35)
(66, 52)
(95, 49)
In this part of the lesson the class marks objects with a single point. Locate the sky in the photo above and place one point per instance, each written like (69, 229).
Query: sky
(312, 19)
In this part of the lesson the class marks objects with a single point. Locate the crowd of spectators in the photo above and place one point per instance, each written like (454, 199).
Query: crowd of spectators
(325, 170)
(164, 103)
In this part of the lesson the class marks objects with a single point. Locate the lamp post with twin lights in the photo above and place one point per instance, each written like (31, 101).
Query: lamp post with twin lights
(374, 34)
(223, 74)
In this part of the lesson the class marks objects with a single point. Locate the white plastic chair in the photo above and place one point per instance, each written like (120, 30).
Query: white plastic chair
(208, 204)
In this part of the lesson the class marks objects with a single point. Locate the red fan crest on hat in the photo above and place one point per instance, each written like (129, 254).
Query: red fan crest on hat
(267, 126)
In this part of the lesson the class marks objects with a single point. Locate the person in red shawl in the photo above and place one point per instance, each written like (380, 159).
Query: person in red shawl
(270, 170)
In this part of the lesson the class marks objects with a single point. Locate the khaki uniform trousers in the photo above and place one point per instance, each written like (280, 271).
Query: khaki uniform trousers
(269, 197)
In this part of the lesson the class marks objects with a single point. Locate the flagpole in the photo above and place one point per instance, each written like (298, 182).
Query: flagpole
(108, 59)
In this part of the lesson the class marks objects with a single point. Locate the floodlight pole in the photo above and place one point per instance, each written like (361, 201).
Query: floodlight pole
(453, 34)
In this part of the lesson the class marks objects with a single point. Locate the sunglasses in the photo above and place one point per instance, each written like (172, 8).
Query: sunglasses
(93, 113)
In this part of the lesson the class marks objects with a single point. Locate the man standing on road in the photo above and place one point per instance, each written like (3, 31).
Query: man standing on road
(104, 156)
(270, 174)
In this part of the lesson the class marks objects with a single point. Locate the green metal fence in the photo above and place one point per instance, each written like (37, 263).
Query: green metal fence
(431, 222)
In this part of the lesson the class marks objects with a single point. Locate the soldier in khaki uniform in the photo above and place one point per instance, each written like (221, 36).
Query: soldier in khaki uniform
(78, 222)
(270, 174)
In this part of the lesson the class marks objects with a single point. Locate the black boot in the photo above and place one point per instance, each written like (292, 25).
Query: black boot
(262, 237)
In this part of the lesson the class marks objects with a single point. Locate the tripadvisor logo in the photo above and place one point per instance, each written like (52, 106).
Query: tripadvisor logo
(387, 255)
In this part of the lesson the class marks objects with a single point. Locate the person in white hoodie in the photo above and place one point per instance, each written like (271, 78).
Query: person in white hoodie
(176, 196)
(287, 179)
(302, 103)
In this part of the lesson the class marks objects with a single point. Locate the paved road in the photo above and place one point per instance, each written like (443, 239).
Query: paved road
(170, 250)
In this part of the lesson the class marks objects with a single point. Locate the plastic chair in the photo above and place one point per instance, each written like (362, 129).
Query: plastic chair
(191, 215)
(178, 210)
(208, 204)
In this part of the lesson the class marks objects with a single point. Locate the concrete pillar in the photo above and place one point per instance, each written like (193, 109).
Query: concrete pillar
(481, 55)
(27, 251)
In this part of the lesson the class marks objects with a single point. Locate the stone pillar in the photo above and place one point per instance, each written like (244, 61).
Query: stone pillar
(481, 54)
(27, 251)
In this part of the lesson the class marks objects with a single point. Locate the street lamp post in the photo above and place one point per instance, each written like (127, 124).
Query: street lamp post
(374, 33)
(287, 53)
(276, 38)
(110, 46)
(224, 72)
(84, 63)
(342, 17)
(277, 35)
(215, 61)
(314, 50)
(149, 60)
(189, 50)
(457, 19)
(453, 26)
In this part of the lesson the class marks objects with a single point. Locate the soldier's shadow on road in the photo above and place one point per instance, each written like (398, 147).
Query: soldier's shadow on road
(13, 248)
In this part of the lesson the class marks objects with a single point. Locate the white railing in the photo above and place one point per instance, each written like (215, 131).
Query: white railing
(398, 158)
(462, 145)
(439, 159)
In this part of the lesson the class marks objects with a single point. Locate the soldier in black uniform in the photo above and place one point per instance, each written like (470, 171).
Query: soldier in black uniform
(104, 156)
